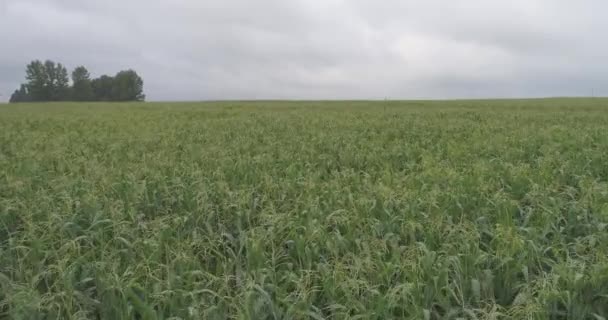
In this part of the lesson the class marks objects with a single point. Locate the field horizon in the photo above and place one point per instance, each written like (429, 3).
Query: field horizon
(521, 99)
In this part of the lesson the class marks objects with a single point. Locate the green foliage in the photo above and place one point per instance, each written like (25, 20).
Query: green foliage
(37, 81)
(305, 210)
(60, 85)
(128, 86)
(125, 86)
(46, 81)
(20, 95)
(102, 88)
(49, 82)
(82, 89)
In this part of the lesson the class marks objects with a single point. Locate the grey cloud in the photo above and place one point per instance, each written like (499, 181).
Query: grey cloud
(316, 49)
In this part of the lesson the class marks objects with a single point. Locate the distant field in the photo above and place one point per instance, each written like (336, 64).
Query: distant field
(305, 210)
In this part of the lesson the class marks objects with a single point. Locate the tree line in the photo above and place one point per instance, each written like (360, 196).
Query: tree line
(49, 81)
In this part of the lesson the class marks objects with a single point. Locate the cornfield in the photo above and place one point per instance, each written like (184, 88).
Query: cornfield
(305, 210)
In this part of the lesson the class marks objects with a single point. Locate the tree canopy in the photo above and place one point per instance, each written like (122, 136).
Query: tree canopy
(20, 95)
(82, 89)
(49, 81)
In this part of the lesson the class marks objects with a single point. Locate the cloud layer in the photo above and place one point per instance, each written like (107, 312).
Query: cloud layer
(317, 49)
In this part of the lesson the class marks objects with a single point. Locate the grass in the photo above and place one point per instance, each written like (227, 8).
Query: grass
(305, 210)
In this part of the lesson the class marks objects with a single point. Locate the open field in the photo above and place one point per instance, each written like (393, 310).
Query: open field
(305, 210)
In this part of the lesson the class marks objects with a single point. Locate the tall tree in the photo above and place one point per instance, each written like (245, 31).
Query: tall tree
(47, 81)
(62, 84)
(82, 88)
(57, 81)
(36, 76)
(128, 86)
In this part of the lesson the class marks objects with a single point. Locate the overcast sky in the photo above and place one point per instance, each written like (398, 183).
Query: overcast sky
(318, 49)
